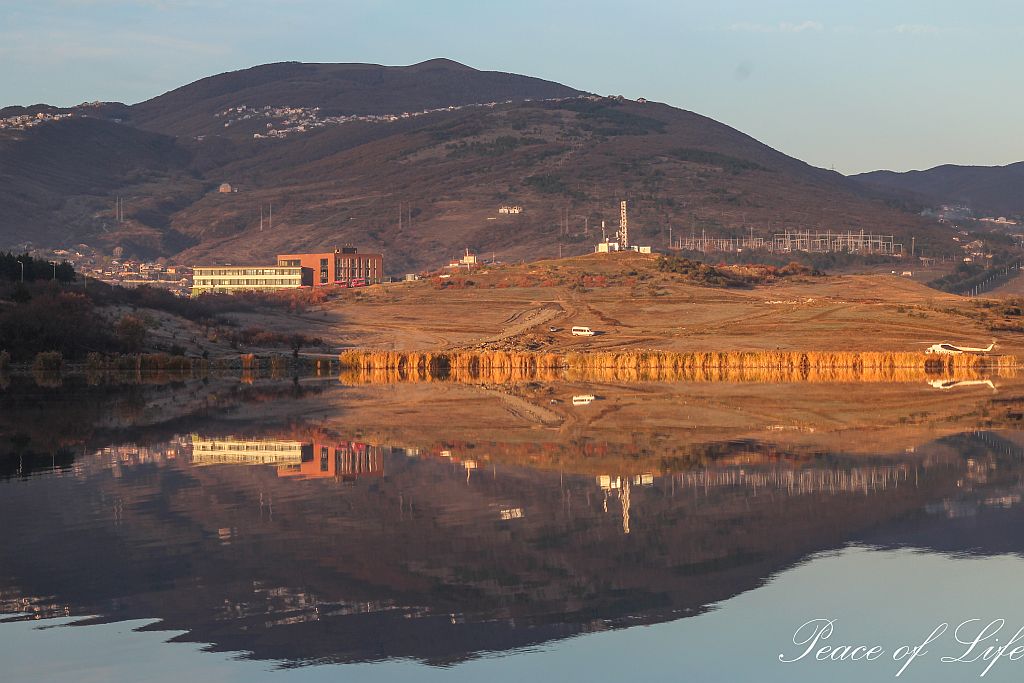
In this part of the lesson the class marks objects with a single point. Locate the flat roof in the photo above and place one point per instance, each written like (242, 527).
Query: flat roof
(262, 266)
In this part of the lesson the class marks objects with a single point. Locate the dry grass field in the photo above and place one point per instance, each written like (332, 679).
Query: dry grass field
(632, 305)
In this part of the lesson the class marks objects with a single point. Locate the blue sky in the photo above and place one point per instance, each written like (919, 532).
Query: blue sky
(855, 85)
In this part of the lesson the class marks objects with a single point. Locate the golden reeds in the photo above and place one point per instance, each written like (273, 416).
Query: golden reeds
(372, 366)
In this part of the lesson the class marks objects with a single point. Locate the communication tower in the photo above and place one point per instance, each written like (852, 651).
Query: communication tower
(623, 226)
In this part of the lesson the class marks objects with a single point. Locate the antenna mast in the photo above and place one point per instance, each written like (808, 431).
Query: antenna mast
(623, 225)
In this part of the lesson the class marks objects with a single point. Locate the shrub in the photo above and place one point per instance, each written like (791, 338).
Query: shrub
(278, 366)
(255, 336)
(733, 165)
(131, 333)
(53, 321)
(48, 361)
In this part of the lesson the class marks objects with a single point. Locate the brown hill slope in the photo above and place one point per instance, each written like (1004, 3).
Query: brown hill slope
(58, 184)
(337, 89)
(989, 190)
(567, 159)
(580, 157)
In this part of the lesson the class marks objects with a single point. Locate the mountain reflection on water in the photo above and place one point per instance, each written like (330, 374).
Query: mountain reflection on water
(293, 523)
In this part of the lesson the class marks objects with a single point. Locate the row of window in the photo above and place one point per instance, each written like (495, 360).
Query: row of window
(206, 272)
(237, 282)
(358, 263)
(246, 446)
(349, 463)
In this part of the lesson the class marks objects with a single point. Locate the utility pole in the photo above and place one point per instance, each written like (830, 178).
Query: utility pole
(22, 264)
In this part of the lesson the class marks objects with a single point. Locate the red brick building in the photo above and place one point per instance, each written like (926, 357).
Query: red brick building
(341, 266)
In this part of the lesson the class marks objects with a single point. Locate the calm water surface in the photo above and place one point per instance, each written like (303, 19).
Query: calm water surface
(310, 531)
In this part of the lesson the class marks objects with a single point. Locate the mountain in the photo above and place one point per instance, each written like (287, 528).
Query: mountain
(334, 150)
(337, 89)
(989, 190)
(58, 183)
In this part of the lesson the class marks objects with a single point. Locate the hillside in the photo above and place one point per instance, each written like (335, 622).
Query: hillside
(463, 143)
(58, 185)
(989, 190)
(336, 89)
(578, 156)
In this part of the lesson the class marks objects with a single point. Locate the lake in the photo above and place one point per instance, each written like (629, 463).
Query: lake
(322, 530)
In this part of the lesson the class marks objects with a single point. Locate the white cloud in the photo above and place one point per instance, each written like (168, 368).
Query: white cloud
(781, 27)
(916, 30)
(786, 27)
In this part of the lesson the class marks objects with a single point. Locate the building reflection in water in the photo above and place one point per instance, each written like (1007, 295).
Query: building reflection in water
(345, 460)
(231, 451)
(442, 549)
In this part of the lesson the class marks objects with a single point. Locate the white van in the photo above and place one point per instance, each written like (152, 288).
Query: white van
(582, 332)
